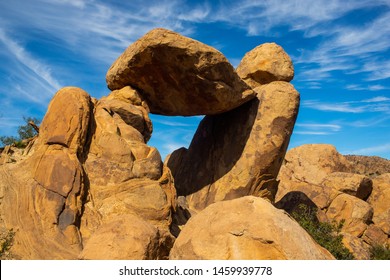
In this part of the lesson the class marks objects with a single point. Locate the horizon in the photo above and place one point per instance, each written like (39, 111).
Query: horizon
(340, 51)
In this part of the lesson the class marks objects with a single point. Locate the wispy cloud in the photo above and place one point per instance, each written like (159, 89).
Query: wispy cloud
(316, 128)
(372, 150)
(41, 70)
(375, 104)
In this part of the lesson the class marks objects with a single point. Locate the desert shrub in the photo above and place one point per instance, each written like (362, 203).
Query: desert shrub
(6, 241)
(379, 252)
(25, 131)
(326, 234)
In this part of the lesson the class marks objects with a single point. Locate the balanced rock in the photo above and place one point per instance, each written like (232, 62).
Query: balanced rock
(264, 64)
(226, 230)
(238, 153)
(177, 75)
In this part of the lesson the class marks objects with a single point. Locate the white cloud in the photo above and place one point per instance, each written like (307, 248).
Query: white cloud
(375, 104)
(22, 56)
(378, 149)
(316, 128)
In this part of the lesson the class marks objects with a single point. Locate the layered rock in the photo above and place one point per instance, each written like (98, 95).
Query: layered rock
(264, 64)
(275, 236)
(318, 176)
(125, 177)
(240, 152)
(177, 75)
(49, 187)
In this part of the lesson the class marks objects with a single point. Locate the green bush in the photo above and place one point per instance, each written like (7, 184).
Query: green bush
(326, 234)
(379, 252)
(25, 131)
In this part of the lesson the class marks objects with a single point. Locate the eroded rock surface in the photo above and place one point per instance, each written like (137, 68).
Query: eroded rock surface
(240, 152)
(177, 75)
(275, 236)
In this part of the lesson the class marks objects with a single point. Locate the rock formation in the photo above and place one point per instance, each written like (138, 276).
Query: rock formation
(274, 235)
(240, 152)
(177, 75)
(89, 186)
(323, 179)
(264, 64)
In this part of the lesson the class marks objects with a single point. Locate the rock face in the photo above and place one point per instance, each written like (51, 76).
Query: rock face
(302, 173)
(369, 166)
(240, 152)
(275, 236)
(379, 200)
(318, 176)
(89, 186)
(49, 186)
(91, 183)
(264, 64)
(177, 75)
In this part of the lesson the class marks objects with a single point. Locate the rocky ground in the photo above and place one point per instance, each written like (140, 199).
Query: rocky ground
(89, 186)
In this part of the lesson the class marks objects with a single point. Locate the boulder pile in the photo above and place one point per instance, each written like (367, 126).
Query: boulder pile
(89, 187)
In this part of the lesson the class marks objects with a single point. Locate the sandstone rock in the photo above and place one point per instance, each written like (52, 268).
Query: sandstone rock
(352, 184)
(302, 173)
(178, 75)
(359, 249)
(236, 236)
(264, 64)
(379, 200)
(67, 119)
(368, 165)
(118, 152)
(126, 237)
(356, 213)
(48, 187)
(239, 152)
(374, 236)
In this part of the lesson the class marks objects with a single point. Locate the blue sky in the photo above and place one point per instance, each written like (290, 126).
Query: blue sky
(340, 50)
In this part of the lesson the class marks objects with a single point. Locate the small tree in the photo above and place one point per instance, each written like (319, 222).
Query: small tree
(25, 131)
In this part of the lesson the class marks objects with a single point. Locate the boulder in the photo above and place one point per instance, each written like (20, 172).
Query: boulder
(374, 236)
(379, 200)
(245, 228)
(118, 152)
(67, 119)
(237, 153)
(177, 75)
(349, 183)
(355, 213)
(126, 237)
(303, 172)
(358, 248)
(264, 64)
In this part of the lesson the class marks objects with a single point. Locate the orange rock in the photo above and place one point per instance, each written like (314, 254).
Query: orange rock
(177, 75)
(264, 64)
(226, 230)
(240, 152)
